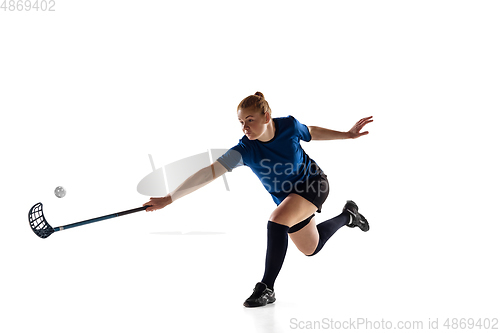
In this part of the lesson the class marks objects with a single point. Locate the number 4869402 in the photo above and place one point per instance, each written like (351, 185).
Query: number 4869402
(28, 5)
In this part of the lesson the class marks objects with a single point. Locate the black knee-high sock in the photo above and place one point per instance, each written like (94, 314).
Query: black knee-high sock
(327, 228)
(277, 244)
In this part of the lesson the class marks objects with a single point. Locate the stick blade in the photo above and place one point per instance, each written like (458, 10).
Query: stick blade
(38, 223)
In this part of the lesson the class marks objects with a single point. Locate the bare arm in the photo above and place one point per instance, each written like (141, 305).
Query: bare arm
(194, 182)
(319, 133)
(198, 180)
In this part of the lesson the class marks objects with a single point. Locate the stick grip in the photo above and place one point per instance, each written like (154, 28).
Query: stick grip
(135, 210)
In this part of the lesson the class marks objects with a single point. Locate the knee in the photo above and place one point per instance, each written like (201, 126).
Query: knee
(279, 218)
(316, 250)
(309, 253)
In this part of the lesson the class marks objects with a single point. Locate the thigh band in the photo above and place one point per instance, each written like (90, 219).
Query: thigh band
(300, 225)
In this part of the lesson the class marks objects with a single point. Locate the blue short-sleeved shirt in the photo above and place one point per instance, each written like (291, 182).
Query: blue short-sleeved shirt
(279, 163)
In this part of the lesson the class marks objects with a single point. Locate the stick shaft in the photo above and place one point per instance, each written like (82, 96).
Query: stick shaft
(102, 218)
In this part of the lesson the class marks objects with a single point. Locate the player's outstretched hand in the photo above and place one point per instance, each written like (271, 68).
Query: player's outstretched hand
(158, 203)
(354, 132)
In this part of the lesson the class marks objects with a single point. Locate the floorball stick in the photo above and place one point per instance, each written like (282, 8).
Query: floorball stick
(42, 228)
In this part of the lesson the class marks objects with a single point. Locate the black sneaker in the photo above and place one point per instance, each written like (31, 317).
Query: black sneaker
(261, 296)
(357, 220)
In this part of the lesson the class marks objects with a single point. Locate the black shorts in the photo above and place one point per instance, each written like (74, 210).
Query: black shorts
(314, 190)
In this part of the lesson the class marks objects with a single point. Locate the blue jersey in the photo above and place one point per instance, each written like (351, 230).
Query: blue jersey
(280, 163)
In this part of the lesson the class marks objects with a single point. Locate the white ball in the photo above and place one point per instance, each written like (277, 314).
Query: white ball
(60, 192)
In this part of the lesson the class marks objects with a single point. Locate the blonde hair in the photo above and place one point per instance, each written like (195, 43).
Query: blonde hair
(256, 101)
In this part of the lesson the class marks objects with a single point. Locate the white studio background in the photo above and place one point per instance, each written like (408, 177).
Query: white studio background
(89, 90)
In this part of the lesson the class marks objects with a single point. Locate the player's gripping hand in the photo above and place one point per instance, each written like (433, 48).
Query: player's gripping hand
(158, 203)
(354, 132)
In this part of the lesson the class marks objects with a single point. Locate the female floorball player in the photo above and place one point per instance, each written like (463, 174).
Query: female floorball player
(271, 148)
